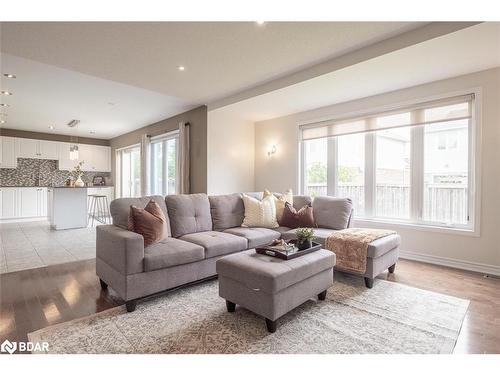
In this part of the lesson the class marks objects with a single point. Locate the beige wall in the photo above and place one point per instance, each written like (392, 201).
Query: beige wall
(198, 151)
(280, 171)
(230, 152)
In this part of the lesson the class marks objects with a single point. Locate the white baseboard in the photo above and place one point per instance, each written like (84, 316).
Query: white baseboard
(449, 262)
(23, 219)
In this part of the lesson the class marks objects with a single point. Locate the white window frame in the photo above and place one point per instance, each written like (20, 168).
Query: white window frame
(417, 153)
(174, 134)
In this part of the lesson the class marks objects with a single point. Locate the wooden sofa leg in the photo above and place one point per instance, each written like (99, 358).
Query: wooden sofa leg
(131, 305)
(230, 306)
(322, 295)
(368, 282)
(392, 268)
(103, 284)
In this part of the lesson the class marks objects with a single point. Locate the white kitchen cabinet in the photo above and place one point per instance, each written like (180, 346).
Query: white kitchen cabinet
(37, 149)
(27, 148)
(48, 150)
(65, 163)
(8, 157)
(95, 158)
(9, 203)
(28, 202)
(41, 202)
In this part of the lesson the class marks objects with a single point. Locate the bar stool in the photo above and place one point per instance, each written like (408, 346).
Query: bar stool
(98, 209)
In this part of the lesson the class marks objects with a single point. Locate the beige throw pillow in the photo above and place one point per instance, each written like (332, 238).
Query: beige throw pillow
(287, 196)
(258, 213)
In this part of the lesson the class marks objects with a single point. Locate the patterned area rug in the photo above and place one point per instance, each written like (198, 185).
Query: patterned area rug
(390, 318)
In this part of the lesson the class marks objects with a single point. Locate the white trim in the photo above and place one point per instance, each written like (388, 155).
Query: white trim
(395, 224)
(24, 219)
(165, 136)
(453, 263)
(127, 147)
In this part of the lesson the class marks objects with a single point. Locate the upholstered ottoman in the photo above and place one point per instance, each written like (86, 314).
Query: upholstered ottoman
(271, 287)
(382, 255)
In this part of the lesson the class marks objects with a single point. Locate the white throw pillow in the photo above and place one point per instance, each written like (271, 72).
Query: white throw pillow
(287, 196)
(258, 213)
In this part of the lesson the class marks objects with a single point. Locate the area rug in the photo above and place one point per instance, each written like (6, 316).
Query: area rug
(390, 318)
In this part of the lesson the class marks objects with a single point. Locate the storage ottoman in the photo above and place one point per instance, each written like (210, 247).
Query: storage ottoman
(271, 287)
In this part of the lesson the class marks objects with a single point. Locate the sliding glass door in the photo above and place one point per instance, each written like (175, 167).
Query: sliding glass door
(128, 163)
(163, 164)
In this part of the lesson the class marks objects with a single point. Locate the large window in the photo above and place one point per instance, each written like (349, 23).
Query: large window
(128, 163)
(163, 165)
(411, 165)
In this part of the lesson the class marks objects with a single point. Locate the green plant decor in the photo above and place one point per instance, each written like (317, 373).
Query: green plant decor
(304, 234)
(77, 171)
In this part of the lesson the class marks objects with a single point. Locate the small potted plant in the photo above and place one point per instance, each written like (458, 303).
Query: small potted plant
(304, 237)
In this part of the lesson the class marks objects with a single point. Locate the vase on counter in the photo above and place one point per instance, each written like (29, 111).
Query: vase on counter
(79, 182)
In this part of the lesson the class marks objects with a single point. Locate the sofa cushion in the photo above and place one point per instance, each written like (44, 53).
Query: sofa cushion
(149, 222)
(189, 213)
(260, 214)
(375, 249)
(217, 243)
(120, 209)
(383, 245)
(227, 211)
(171, 252)
(333, 213)
(300, 201)
(255, 236)
(279, 201)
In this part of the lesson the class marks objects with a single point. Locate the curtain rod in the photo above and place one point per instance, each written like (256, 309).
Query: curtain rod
(186, 124)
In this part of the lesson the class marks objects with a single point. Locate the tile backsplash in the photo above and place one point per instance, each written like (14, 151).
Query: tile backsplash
(28, 170)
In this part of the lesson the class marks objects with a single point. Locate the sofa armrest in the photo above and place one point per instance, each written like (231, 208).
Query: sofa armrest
(121, 249)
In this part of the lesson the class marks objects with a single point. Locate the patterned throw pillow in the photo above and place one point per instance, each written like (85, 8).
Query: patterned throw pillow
(258, 213)
(149, 222)
(302, 218)
(287, 196)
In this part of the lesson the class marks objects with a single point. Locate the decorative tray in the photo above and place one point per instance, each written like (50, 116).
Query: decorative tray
(291, 253)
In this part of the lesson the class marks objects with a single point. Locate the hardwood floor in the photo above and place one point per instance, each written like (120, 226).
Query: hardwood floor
(33, 299)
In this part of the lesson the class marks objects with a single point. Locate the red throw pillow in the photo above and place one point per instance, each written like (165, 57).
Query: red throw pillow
(302, 218)
(149, 222)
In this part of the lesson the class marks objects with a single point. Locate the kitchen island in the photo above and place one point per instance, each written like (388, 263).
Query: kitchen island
(67, 207)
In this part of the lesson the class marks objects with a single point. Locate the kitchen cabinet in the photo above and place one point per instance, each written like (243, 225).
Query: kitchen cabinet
(23, 202)
(9, 204)
(37, 149)
(8, 157)
(95, 158)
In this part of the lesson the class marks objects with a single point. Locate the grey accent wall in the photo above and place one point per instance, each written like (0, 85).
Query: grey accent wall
(28, 170)
(52, 137)
(198, 151)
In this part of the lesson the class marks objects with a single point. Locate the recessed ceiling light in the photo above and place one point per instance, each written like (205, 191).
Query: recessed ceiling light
(5, 92)
(260, 23)
(8, 75)
(4, 105)
(2, 121)
(181, 68)
(52, 127)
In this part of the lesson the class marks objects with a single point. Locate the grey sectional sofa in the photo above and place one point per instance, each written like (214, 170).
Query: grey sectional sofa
(203, 229)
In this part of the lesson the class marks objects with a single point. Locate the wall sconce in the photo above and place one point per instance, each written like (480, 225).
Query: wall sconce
(271, 150)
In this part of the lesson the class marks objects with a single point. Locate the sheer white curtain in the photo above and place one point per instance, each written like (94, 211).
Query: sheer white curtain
(145, 162)
(183, 186)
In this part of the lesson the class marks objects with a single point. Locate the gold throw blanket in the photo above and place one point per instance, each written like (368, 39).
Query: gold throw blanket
(351, 247)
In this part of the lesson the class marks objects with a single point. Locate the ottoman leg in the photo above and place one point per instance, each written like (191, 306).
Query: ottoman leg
(271, 325)
(392, 268)
(230, 306)
(368, 282)
(130, 305)
(322, 295)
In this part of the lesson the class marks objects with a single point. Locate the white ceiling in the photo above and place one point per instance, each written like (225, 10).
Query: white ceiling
(465, 51)
(221, 58)
(44, 95)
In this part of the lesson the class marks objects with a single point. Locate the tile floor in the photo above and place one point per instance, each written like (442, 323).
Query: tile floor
(33, 244)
